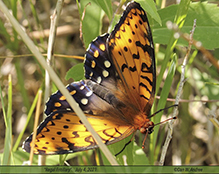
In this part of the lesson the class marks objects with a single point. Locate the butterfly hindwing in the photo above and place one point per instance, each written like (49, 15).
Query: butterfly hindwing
(63, 132)
(79, 91)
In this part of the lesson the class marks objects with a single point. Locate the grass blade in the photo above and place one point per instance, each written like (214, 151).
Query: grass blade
(161, 104)
(27, 122)
(8, 134)
(179, 20)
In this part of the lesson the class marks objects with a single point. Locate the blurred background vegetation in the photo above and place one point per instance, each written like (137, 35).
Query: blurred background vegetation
(195, 137)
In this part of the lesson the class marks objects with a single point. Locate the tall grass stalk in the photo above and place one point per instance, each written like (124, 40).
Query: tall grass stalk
(29, 115)
(8, 121)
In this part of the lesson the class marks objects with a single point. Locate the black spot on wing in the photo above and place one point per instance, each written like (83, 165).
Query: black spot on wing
(145, 47)
(145, 68)
(125, 49)
(75, 133)
(143, 85)
(70, 145)
(136, 56)
(144, 97)
(133, 69)
(146, 78)
(123, 67)
(118, 131)
(111, 136)
(90, 140)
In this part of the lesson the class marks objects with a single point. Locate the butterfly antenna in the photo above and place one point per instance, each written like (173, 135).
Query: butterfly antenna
(175, 105)
(172, 118)
(158, 123)
(152, 127)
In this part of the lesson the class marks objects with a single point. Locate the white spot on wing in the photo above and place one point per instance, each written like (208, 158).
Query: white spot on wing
(84, 101)
(105, 73)
(82, 87)
(89, 93)
(107, 64)
(99, 79)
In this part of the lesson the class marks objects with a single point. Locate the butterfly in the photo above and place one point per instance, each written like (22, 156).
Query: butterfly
(116, 96)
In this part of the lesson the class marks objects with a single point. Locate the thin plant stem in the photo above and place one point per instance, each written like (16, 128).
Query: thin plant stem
(37, 115)
(29, 115)
(6, 157)
(52, 35)
(179, 92)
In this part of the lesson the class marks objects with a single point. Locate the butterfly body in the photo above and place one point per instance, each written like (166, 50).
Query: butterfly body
(116, 96)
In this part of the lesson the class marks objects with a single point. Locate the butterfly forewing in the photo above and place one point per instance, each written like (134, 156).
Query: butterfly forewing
(131, 49)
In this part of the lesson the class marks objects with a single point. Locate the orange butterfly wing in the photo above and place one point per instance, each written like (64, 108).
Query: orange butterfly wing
(131, 49)
(62, 133)
(116, 97)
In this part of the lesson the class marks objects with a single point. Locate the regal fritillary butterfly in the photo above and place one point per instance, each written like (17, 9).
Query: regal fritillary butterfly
(116, 96)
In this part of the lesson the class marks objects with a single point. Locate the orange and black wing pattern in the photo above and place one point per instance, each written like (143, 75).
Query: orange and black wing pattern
(63, 132)
(116, 96)
(132, 52)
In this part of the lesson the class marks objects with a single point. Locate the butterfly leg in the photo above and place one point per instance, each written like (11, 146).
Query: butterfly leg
(126, 144)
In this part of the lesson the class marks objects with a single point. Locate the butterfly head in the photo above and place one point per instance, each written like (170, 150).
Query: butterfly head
(148, 127)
